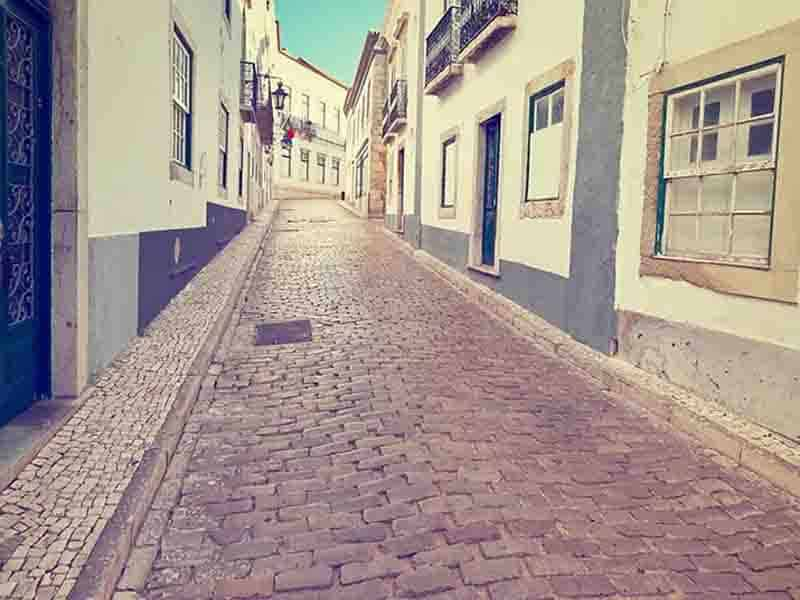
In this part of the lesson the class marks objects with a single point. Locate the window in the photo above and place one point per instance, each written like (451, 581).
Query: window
(241, 165)
(323, 114)
(321, 163)
(226, 9)
(545, 144)
(449, 168)
(366, 110)
(719, 168)
(305, 165)
(338, 119)
(306, 107)
(335, 166)
(181, 101)
(286, 163)
(360, 166)
(224, 122)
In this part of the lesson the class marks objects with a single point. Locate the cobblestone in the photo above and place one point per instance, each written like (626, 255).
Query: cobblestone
(63, 499)
(418, 448)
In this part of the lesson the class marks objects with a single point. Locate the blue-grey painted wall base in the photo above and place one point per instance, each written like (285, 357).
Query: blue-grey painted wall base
(590, 314)
(113, 303)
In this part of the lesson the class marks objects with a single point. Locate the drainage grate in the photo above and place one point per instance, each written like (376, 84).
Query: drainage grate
(286, 332)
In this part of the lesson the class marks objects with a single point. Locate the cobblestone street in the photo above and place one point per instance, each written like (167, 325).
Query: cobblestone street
(418, 448)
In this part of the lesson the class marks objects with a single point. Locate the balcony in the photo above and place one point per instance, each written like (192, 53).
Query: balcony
(248, 95)
(483, 24)
(441, 53)
(395, 111)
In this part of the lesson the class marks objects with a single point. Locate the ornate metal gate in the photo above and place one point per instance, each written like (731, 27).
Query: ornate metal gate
(24, 207)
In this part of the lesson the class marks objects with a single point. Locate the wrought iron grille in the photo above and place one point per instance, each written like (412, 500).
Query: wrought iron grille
(250, 86)
(476, 15)
(441, 46)
(396, 105)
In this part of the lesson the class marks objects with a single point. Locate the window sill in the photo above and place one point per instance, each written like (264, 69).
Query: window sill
(447, 212)
(485, 270)
(776, 283)
(542, 209)
(711, 261)
(222, 193)
(178, 172)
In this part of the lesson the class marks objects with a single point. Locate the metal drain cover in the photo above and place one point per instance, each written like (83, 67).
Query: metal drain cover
(286, 332)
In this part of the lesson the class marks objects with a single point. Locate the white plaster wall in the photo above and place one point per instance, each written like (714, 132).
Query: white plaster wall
(693, 29)
(357, 137)
(407, 137)
(328, 141)
(537, 45)
(129, 93)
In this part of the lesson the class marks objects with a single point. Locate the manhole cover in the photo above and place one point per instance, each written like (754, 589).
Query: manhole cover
(286, 332)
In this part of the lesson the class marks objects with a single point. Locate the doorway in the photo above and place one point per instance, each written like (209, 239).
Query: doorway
(24, 208)
(401, 186)
(491, 180)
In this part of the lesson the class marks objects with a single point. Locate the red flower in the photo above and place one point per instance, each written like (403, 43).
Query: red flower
(290, 134)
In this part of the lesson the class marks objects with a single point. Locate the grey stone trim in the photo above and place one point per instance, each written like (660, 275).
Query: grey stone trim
(590, 290)
(749, 376)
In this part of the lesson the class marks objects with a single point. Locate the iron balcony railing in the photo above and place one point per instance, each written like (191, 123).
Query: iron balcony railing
(396, 105)
(250, 84)
(476, 15)
(442, 44)
(255, 92)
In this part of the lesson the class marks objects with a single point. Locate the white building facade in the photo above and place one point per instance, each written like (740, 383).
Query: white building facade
(365, 193)
(400, 129)
(313, 165)
(520, 153)
(709, 234)
(148, 94)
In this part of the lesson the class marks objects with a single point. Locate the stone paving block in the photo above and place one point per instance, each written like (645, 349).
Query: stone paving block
(376, 569)
(428, 581)
(481, 572)
(318, 577)
(522, 589)
(579, 586)
(260, 586)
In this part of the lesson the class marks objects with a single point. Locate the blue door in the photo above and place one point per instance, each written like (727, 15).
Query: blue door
(24, 207)
(491, 166)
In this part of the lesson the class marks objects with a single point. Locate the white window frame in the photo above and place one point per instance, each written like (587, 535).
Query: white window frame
(224, 134)
(322, 160)
(548, 95)
(698, 171)
(305, 159)
(181, 60)
(450, 141)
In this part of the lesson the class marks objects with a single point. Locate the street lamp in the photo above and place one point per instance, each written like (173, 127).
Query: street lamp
(280, 97)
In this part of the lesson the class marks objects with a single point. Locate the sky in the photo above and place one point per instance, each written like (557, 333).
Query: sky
(329, 33)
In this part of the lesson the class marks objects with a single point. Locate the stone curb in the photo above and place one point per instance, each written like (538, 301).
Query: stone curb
(747, 444)
(99, 576)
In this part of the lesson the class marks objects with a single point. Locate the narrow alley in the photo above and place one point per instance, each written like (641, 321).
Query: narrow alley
(415, 447)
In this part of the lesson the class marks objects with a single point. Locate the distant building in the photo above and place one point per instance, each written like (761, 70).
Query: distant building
(313, 165)
(366, 153)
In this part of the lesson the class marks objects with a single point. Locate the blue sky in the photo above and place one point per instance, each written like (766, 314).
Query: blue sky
(329, 33)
